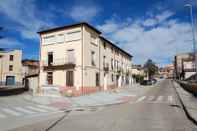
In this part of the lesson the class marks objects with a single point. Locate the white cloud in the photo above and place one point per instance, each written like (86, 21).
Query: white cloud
(159, 43)
(83, 12)
(9, 43)
(150, 22)
(24, 13)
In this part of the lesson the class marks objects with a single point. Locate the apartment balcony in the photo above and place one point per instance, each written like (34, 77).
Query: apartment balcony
(106, 67)
(60, 64)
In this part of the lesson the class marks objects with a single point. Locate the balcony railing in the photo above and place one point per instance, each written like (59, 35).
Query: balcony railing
(106, 67)
(64, 63)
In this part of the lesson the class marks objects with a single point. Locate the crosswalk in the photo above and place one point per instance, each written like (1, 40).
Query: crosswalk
(155, 99)
(7, 112)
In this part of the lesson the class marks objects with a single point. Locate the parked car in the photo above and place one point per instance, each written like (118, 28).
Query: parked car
(154, 81)
(146, 82)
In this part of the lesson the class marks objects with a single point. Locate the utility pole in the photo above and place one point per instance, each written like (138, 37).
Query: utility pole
(193, 34)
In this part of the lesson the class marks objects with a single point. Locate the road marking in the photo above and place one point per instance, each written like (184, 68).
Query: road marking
(170, 98)
(141, 98)
(2, 116)
(151, 98)
(47, 107)
(24, 110)
(36, 109)
(160, 98)
(12, 112)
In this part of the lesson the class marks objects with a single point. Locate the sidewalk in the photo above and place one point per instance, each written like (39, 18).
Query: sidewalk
(122, 95)
(189, 101)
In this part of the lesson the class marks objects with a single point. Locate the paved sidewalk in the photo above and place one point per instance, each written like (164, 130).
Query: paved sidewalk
(121, 95)
(189, 101)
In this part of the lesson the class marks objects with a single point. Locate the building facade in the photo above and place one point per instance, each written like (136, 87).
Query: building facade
(184, 65)
(78, 58)
(11, 67)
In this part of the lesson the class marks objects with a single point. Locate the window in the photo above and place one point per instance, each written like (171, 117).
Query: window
(49, 39)
(69, 78)
(50, 58)
(104, 61)
(93, 39)
(112, 77)
(70, 56)
(93, 58)
(104, 45)
(10, 67)
(112, 64)
(97, 79)
(75, 35)
(11, 57)
(49, 78)
(60, 38)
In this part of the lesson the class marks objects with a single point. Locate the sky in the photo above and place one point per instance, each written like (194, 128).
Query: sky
(147, 29)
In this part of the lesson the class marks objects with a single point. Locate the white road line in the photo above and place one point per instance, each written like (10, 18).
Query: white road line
(170, 98)
(141, 99)
(160, 98)
(151, 98)
(11, 112)
(2, 115)
(36, 109)
(27, 111)
(47, 107)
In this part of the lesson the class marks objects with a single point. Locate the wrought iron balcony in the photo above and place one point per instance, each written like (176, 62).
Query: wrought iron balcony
(106, 67)
(60, 64)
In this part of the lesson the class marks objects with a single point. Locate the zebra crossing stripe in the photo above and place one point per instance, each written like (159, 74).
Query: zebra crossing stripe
(160, 98)
(11, 112)
(170, 98)
(24, 110)
(36, 109)
(141, 98)
(151, 98)
(2, 116)
(47, 107)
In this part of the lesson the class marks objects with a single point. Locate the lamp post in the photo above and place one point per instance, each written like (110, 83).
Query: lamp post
(193, 34)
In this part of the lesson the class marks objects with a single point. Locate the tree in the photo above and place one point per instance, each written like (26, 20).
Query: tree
(150, 68)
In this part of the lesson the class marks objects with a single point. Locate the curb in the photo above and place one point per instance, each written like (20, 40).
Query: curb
(184, 107)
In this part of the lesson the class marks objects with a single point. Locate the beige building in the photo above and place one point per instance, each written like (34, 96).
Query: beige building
(77, 58)
(184, 65)
(11, 67)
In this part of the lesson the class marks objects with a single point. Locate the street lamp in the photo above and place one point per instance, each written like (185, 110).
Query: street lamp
(193, 34)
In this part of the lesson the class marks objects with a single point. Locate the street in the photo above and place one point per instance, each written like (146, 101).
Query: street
(158, 109)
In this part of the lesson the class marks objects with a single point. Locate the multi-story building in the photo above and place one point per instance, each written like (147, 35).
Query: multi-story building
(76, 57)
(10, 67)
(184, 65)
(30, 67)
(167, 71)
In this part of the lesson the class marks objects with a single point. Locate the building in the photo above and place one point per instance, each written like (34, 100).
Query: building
(167, 71)
(10, 67)
(30, 67)
(30, 71)
(137, 70)
(76, 57)
(184, 65)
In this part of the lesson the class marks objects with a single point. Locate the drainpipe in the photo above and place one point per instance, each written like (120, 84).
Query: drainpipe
(82, 59)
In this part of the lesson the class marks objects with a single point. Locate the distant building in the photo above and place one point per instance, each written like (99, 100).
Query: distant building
(30, 67)
(184, 65)
(31, 74)
(77, 58)
(10, 67)
(137, 70)
(167, 71)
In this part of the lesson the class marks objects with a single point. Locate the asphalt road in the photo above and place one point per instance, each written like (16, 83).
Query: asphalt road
(157, 110)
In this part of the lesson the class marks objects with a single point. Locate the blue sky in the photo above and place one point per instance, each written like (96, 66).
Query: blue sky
(155, 29)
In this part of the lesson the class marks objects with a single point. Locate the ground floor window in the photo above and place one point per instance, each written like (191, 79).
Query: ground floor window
(49, 78)
(10, 80)
(97, 79)
(69, 78)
